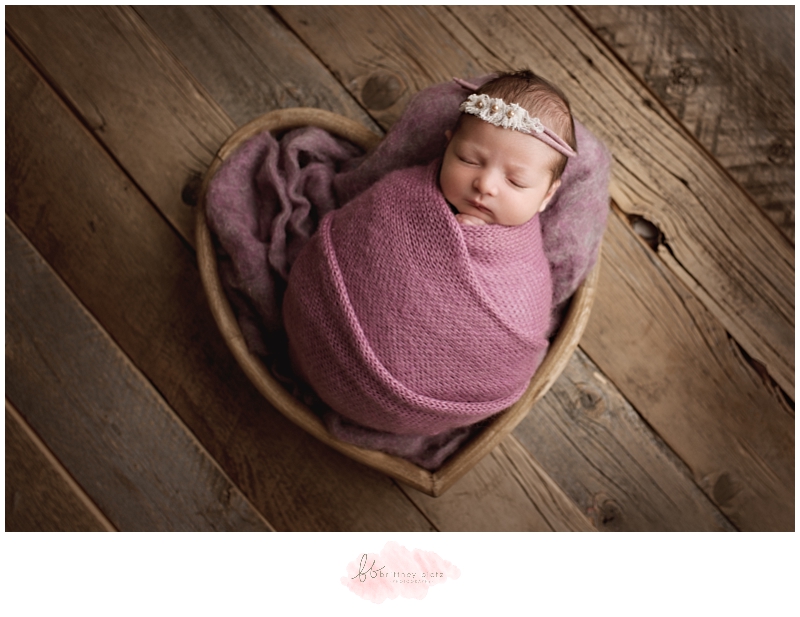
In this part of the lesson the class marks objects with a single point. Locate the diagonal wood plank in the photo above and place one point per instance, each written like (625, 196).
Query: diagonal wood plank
(138, 277)
(40, 494)
(507, 491)
(249, 62)
(112, 430)
(691, 384)
(728, 73)
(689, 339)
(720, 240)
(105, 78)
(594, 444)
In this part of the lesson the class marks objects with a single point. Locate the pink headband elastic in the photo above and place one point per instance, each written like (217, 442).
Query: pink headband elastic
(510, 116)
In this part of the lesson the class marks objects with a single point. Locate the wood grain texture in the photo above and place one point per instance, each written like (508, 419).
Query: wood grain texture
(649, 366)
(506, 491)
(137, 276)
(129, 91)
(592, 443)
(744, 264)
(40, 493)
(728, 74)
(111, 429)
(691, 384)
(249, 62)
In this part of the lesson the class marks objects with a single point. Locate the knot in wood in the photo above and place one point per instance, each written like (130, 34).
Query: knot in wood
(381, 91)
(683, 80)
(606, 513)
(592, 400)
(646, 230)
(725, 489)
(781, 152)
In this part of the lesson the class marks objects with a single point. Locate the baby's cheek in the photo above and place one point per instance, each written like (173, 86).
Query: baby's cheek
(449, 182)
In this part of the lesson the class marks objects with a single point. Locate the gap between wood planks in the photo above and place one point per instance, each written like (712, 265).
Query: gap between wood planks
(43, 494)
(128, 450)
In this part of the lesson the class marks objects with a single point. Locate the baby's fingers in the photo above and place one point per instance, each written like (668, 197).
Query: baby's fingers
(468, 219)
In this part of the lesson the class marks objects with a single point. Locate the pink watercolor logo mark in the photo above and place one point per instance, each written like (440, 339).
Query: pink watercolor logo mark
(397, 571)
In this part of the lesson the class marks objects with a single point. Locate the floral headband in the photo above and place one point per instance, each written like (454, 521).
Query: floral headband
(514, 117)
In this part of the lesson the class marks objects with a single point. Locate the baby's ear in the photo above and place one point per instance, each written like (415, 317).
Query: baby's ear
(449, 134)
(550, 193)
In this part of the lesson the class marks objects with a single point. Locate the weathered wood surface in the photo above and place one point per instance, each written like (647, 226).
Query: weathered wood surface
(743, 264)
(111, 429)
(507, 491)
(254, 445)
(678, 367)
(171, 128)
(139, 279)
(252, 488)
(596, 447)
(249, 62)
(728, 74)
(631, 351)
(40, 493)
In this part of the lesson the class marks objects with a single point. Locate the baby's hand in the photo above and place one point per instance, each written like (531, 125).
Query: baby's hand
(468, 219)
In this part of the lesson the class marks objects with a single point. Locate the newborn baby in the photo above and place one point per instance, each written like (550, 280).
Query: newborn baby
(423, 304)
(492, 171)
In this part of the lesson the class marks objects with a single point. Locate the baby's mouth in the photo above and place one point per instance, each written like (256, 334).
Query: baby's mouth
(479, 206)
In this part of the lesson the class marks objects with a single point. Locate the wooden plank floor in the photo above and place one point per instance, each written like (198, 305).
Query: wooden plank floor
(124, 408)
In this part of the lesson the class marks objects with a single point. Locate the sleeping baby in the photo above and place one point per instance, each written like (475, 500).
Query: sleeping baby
(424, 304)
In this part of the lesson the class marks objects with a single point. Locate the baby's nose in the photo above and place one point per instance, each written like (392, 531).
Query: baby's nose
(486, 184)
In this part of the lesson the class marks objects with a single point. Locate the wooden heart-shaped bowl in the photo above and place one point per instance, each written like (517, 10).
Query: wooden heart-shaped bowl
(432, 483)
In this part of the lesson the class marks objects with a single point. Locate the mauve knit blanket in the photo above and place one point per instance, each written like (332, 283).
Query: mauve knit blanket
(405, 321)
(268, 197)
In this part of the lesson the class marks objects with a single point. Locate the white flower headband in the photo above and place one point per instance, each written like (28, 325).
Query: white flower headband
(512, 116)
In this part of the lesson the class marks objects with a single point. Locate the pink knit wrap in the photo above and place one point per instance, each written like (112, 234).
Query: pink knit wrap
(405, 321)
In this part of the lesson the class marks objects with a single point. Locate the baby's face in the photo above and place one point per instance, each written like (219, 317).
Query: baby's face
(497, 175)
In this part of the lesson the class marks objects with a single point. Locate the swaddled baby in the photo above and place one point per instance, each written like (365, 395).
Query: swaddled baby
(424, 303)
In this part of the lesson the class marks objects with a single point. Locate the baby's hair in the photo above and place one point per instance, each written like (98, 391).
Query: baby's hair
(543, 100)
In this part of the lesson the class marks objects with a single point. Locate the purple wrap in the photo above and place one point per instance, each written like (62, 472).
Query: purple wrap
(405, 321)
